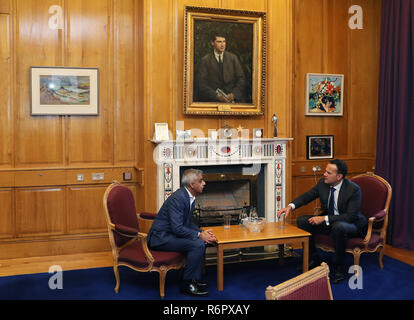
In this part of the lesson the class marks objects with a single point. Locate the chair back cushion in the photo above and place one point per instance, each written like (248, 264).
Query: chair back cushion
(374, 194)
(121, 210)
(315, 290)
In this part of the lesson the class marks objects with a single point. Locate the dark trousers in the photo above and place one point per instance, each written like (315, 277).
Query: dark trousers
(340, 232)
(194, 249)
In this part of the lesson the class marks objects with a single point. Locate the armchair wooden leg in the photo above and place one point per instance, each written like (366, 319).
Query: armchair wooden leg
(163, 274)
(381, 254)
(116, 272)
(357, 255)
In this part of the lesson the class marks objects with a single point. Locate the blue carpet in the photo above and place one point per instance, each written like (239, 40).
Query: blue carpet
(242, 281)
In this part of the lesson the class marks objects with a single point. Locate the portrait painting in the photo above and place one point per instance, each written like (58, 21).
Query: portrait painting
(64, 91)
(324, 94)
(224, 67)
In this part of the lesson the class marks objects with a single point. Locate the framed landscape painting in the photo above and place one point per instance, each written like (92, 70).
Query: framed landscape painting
(64, 91)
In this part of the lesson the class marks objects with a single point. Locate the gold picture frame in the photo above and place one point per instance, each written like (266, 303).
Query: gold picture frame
(243, 76)
(64, 91)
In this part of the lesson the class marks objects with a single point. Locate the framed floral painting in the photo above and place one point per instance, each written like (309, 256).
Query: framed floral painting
(324, 94)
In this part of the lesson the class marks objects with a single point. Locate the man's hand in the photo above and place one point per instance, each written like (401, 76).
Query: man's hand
(230, 97)
(316, 220)
(207, 236)
(285, 211)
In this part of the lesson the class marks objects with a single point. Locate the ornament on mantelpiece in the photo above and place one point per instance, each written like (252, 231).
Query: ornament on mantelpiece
(275, 120)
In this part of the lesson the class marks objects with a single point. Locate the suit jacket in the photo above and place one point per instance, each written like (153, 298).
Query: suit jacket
(349, 202)
(174, 220)
(207, 79)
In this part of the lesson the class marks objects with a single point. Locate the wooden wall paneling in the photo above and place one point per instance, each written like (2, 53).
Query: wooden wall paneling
(39, 139)
(85, 210)
(40, 211)
(5, 6)
(6, 123)
(363, 85)
(6, 213)
(124, 82)
(140, 144)
(90, 44)
(307, 58)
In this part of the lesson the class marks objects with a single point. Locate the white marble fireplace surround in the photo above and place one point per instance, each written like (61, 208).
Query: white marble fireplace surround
(170, 155)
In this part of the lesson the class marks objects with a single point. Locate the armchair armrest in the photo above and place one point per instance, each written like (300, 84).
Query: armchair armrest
(143, 239)
(125, 231)
(380, 215)
(147, 215)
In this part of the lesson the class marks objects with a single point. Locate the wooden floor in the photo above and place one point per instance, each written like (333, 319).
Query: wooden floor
(104, 259)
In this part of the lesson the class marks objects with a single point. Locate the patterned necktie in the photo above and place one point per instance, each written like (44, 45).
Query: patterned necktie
(331, 204)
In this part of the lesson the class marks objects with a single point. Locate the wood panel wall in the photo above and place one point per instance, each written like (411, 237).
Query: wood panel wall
(45, 209)
(138, 48)
(323, 43)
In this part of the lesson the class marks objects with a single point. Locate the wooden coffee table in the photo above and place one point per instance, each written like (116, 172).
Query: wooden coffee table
(272, 234)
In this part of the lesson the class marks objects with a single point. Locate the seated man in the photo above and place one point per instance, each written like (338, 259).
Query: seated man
(174, 230)
(341, 218)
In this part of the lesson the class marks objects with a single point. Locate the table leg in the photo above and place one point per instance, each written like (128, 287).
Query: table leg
(220, 268)
(281, 254)
(305, 254)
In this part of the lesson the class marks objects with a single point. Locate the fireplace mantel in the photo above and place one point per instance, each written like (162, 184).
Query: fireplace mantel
(170, 155)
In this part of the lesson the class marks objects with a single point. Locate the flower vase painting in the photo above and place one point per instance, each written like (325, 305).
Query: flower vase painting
(324, 94)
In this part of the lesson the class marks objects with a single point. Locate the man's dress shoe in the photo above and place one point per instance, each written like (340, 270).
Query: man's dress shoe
(201, 284)
(193, 289)
(339, 275)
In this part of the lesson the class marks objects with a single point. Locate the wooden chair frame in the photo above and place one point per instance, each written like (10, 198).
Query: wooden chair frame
(142, 238)
(356, 252)
(289, 286)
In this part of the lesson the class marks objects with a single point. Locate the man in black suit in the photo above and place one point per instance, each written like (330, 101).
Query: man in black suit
(341, 217)
(220, 76)
(174, 230)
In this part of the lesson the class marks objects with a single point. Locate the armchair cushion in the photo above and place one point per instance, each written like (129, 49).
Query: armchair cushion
(315, 290)
(134, 255)
(374, 195)
(327, 242)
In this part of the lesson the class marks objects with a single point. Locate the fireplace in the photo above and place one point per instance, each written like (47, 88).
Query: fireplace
(264, 158)
(238, 173)
(227, 192)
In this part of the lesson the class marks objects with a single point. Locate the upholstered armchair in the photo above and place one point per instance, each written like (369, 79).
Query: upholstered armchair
(376, 197)
(310, 285)
(129, 245)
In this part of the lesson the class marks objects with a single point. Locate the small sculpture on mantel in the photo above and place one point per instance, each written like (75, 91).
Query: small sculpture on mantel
(275, 120)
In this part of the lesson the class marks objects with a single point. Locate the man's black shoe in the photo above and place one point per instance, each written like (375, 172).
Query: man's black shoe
(201, 284)
(339, 275)
(191, 288)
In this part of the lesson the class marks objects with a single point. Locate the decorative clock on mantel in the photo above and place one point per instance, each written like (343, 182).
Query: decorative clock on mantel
(227, 132)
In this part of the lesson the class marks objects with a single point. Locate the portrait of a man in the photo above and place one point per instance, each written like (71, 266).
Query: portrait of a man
(222, 62)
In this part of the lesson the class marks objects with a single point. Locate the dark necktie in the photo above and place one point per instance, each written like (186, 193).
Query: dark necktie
(221, 74)
(331, 204)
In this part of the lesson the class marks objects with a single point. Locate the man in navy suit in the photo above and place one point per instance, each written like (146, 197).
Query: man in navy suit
(174, 230)
(341, 217)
